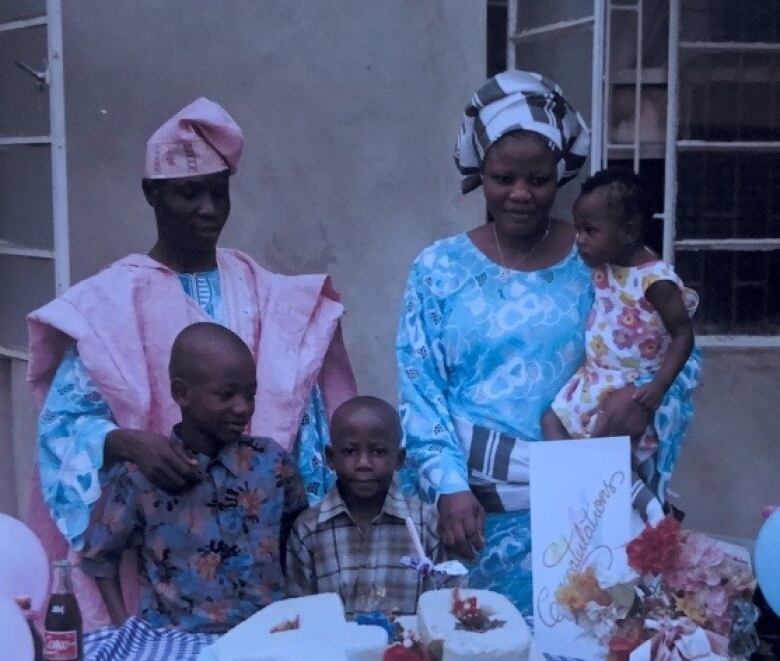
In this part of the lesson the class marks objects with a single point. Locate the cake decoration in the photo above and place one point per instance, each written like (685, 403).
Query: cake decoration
(288, 625)
(471, 616)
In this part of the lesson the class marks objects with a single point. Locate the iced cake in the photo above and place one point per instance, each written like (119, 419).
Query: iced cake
(474, 624)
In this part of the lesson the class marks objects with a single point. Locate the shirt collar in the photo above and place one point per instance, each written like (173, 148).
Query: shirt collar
(333, 504)
(227, 456)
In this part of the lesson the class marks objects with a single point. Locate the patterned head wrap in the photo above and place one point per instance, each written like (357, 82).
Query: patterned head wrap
(515, 100)
(202, 138)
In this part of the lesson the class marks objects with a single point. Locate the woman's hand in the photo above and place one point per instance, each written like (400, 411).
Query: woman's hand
(621, 415)
(164, 464)
(461, 524)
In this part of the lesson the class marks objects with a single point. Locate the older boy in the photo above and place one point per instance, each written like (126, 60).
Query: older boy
(210, 555)
(353, 541)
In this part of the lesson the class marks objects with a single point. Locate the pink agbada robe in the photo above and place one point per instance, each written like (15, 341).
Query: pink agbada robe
(124, 320)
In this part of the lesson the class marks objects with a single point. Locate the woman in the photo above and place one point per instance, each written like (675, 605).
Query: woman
(99, 354)
(493, 326)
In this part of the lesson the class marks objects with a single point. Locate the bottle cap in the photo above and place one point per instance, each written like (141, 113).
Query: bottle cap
(24, 602)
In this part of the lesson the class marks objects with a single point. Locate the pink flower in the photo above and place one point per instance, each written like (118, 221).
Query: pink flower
(246, 454)
(622, 338)
(206, 564)
(628, 317)
(251, 501)
(649, 348)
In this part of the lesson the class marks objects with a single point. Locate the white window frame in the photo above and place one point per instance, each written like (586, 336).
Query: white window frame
(54, 78)
(601, 150)
(674, 145)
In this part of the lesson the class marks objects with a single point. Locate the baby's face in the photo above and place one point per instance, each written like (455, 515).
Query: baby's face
(598, 225)
(365, 453)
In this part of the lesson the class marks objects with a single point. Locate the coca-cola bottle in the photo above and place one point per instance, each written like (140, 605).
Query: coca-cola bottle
(62, 636)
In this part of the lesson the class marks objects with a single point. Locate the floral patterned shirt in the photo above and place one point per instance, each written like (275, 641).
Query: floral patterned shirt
(75, 420)
(210, 556)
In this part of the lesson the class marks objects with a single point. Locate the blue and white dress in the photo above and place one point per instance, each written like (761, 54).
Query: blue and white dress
(474, 350)
(75, 419)
(480, 360)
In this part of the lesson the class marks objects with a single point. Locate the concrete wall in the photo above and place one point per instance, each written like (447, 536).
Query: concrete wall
(350, 110)
(17, 437)
(729, 466)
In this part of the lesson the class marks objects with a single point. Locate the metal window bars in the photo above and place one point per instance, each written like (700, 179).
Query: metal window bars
(54, 78)
(602, 149)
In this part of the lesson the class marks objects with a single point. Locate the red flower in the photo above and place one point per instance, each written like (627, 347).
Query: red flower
(655, 549)
(400, 653)
(629, 634)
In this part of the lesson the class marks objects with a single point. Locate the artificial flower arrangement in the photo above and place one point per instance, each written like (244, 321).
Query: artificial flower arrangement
(688, 597)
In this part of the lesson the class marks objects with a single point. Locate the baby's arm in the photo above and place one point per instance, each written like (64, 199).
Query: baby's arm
(666, 297)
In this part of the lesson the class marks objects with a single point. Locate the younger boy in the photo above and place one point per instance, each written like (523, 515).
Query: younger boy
(209, 556)
(353, 541)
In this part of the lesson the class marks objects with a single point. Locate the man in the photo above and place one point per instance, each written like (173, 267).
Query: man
(99, 354)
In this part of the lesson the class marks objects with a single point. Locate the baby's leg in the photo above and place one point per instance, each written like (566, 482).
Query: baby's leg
(552, 427)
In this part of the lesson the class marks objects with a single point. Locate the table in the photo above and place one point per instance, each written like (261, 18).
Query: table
(136, 640)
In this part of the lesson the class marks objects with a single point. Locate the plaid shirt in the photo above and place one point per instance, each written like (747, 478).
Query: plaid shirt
(327, 552)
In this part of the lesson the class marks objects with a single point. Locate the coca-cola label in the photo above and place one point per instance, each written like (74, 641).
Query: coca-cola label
(60, 645)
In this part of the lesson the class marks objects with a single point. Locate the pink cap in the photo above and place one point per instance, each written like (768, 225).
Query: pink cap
(199, 139)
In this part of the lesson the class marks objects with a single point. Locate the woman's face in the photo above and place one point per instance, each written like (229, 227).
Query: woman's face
(520, 183)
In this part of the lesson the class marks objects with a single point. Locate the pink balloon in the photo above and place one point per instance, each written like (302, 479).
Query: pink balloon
(24, 566)
(14, 633)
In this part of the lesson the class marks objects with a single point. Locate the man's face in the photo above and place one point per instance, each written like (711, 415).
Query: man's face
(190, 211)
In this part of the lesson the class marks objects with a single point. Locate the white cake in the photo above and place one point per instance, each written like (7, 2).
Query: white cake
(511, 641)
(322, 633)
(352, 642)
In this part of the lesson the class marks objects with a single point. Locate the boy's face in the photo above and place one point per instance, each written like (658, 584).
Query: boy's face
(365, 453)
(221, 400)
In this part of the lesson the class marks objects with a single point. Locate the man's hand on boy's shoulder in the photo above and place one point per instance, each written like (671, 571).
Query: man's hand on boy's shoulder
(163, 463)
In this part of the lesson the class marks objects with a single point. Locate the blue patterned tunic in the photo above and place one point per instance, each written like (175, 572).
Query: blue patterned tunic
(75, 419)
(495, 353)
